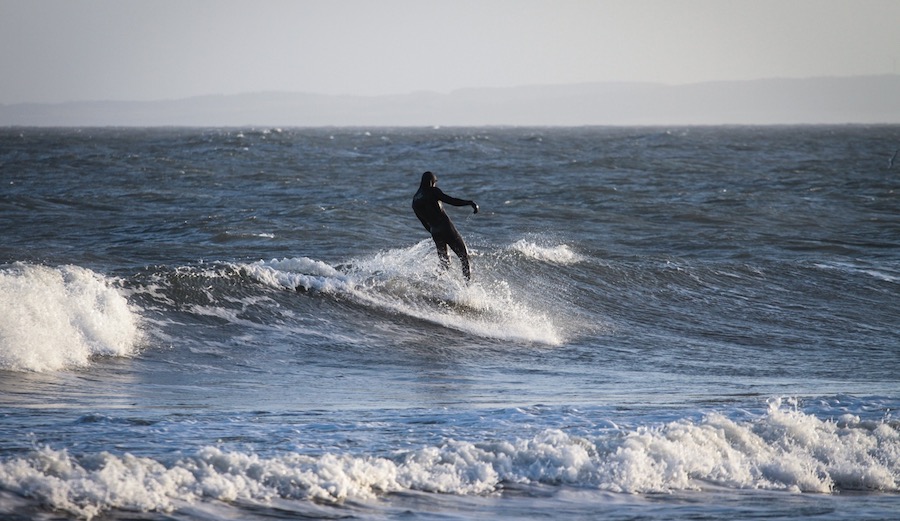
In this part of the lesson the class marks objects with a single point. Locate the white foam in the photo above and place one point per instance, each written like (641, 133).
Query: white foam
(58, 318)
(560, 254)
(885, 274)
(407, 281)
(296, 273)
(784, 450)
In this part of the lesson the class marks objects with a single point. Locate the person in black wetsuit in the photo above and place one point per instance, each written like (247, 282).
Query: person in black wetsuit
(428, 208)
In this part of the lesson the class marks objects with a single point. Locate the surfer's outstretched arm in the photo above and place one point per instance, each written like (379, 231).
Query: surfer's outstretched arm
(454, 201)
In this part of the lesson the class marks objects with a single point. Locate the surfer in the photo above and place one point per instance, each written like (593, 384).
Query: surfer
(428, 208)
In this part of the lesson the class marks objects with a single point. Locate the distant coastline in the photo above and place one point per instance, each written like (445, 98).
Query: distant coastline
(826, 100)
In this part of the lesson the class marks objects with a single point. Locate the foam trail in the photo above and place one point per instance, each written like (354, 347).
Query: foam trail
(58, 318)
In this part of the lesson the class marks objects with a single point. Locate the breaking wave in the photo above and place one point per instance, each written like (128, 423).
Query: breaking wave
(59, 318)
(407, 281)
(785, 449)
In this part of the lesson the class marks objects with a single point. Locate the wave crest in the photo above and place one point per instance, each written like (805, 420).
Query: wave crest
(58, 318)
(560, 254)
(784, 450)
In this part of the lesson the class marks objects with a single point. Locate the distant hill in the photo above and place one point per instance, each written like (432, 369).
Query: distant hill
(863, 99)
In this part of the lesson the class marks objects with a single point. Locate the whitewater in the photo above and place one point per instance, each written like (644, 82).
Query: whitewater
(664, 323)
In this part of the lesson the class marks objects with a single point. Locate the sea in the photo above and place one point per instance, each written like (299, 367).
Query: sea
(664, 323)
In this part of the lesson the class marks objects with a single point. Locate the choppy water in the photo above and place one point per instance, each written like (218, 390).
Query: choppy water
(685, 323)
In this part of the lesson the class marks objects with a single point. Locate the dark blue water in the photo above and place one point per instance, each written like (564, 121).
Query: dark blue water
(684, 323)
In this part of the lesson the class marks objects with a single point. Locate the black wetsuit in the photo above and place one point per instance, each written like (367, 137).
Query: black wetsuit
(427, 205)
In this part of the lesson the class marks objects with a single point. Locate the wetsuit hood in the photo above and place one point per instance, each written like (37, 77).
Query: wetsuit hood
(428, 180)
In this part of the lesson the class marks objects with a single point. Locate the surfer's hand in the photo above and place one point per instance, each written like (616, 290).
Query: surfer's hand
(474, 206)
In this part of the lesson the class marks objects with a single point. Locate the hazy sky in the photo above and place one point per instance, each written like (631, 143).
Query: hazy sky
(75, 50)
